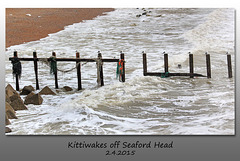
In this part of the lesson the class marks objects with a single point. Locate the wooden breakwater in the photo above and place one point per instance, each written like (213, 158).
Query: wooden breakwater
(191, 73)
(99, 60)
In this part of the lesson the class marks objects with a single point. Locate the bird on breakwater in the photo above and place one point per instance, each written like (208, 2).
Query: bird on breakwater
(179, 66)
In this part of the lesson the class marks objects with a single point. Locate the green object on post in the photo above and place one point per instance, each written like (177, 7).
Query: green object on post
(164, 75)
(53, 65)
(17, 67)
(120, 70)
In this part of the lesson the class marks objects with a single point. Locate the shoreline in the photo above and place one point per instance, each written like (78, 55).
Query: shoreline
(31, 24)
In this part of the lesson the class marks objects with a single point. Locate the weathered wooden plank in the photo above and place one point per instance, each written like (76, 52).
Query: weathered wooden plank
(123, 75)
(55, 74)
(15, 54)
(78, 71)
(24, 59)
(174, 74)
(144, 64)
(100, 70)
(166, 62)
(191, 64)
(68, 59)
(229, 62)
(36, 69)
(208, 64)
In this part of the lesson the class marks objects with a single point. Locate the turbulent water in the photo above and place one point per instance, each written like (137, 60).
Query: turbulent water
(143, 104)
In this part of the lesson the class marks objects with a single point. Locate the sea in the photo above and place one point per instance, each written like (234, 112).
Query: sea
(142, 105)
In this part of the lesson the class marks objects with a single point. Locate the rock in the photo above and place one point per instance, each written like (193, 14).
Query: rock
(47, 91)
(10, 113)
(7, 130)
(10, 91)
(67, 88)
(28, 98)
(14, 97)
(27, 89)
(7, 99)
(17, 103)
(133, 24)
(7, 122)
(138, 15)
(32, 98)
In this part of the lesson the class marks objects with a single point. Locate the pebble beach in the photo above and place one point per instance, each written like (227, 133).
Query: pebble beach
(30, 24)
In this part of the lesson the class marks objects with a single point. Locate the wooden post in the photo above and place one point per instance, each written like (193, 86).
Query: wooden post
(166, 62)
(229, 65)
(36, 68)
(78, 71)
(122, 58)
(100, 70)
(208, 65)
(15, 55)
(55, 74)
(191, 64)
(144, 63)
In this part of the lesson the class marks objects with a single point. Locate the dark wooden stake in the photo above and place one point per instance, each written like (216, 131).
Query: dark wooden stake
(208, 65)
(55, 74)
(123, 75)
(17, 76)
(166, 62)
(229, 66)
(36, 68)
(191, 65)
(78, 71)
(144, 64)
(100, 68)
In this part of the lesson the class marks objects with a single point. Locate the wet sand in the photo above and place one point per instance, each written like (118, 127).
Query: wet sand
(30, 24)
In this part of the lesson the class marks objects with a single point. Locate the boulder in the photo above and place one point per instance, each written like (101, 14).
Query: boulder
(47, 91)
(67, 88)
(10, 91)
(33, 98)
(7, 99)
(27, 89)
(10, 113)
(7, 122)
(14, 97)
(17, 103)
(7, 130)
